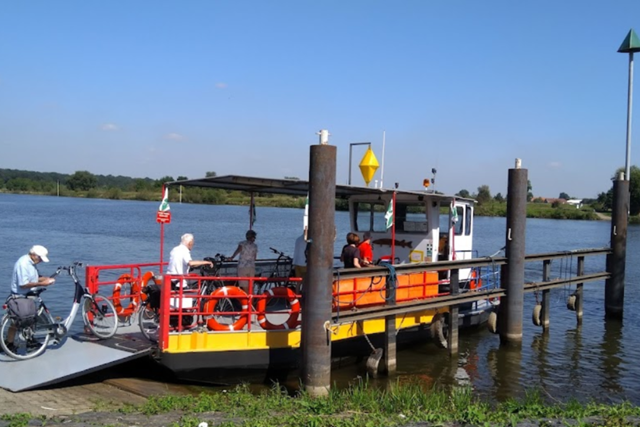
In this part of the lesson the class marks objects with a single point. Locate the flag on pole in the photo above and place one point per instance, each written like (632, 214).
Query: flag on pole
(454, 213)
(389, 215)
(164, 205)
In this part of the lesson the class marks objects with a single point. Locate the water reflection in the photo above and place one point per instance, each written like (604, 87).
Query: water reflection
(611, 349)
(504, 363)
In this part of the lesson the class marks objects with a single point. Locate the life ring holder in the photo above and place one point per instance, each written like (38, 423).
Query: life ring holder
(134, 296)
(235, 294)
(280, 292)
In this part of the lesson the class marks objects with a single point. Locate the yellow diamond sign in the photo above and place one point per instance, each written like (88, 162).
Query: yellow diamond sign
(368, 166)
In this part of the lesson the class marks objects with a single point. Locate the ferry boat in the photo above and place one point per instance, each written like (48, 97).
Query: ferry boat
(215, 328)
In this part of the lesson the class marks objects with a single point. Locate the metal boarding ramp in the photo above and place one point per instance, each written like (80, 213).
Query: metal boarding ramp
(78, 355)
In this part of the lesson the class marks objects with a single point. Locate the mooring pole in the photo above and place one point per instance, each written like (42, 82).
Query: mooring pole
(316, 335)
(452, 340)
(511, 306)
(545, 312)
(579, 290)
(390, 361)
(614, 286)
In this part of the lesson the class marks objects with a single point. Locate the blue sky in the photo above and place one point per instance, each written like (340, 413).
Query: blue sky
(156, 88)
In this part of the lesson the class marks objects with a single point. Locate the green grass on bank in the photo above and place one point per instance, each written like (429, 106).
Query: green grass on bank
(362, 405)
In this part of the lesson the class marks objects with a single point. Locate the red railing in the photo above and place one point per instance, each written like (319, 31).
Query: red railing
(190, 309)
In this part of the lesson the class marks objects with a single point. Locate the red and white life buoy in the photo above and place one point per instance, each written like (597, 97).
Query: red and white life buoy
(133, 295)
(280, 292)
(232, 293)
(475, 282)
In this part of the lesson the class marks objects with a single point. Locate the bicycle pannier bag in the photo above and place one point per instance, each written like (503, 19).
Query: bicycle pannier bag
(23, 310)
(153, 295)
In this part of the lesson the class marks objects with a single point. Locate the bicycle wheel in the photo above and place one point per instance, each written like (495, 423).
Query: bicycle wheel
(28, 341)
(100, 316)
(149, 322)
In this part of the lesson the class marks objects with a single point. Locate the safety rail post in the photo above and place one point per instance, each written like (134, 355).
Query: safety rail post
(452, 339)
(614, 286)
(546, 299)
(165, 307)
(316, 334)
(579, 290)
(390, 361)
(511, 306)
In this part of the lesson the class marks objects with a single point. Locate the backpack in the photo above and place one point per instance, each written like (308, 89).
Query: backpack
(22, 309)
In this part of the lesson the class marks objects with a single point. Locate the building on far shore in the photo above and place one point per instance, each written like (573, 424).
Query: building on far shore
(573, 202)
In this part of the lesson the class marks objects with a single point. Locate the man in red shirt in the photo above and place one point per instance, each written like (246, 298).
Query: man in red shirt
(366, 252)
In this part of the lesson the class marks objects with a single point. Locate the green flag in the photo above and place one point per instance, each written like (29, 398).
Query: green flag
(389, 215)
(454, 213)
(164, 205)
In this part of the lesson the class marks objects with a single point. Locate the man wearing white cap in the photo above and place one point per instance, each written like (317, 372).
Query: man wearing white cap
(25, 273)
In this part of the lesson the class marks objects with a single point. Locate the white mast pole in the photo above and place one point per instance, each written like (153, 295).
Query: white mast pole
(382, 169)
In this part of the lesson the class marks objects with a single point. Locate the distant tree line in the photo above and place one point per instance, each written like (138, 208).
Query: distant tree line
(86, 184)
(496, 206)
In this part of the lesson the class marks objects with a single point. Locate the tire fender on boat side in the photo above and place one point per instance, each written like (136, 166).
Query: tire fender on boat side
(492, 322)
(572, 302)
(535, 316)
(437, 328)
(280, 292)
(234, 294)
(134, 295)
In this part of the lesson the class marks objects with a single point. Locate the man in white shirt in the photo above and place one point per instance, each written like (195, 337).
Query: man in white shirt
(180, 258)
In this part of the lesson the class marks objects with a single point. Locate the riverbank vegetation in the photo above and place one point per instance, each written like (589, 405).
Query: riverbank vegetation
(87, 185)
(360, 405)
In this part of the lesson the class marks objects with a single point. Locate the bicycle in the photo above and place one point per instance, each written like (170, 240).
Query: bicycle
(282, 269)
(31, 339)
(149, 312)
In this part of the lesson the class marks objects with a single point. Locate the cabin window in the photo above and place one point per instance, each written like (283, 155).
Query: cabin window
(467, 221)
(409, 218)
(458, 225)
(445, 221)
(370, 217)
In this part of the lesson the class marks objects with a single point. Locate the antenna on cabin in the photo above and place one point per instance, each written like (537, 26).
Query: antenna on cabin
(433, 178)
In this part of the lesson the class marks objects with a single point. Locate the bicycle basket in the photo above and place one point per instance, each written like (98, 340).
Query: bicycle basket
(23, 310)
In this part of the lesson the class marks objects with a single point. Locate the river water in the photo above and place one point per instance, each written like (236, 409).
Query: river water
(595, 360)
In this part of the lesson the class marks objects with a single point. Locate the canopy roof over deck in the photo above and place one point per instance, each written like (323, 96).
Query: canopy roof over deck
(296, 187)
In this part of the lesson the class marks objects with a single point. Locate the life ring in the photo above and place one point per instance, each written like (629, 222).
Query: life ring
(438, 333)
(279, 292)
(475, 282)
(133, 295)
(234, 294)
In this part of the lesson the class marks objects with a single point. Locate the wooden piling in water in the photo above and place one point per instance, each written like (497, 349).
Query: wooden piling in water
(452, 339)
(579, 293)
(316, 339)
(546, 307)
(511, 306)
(390, 361)
(614, 286)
